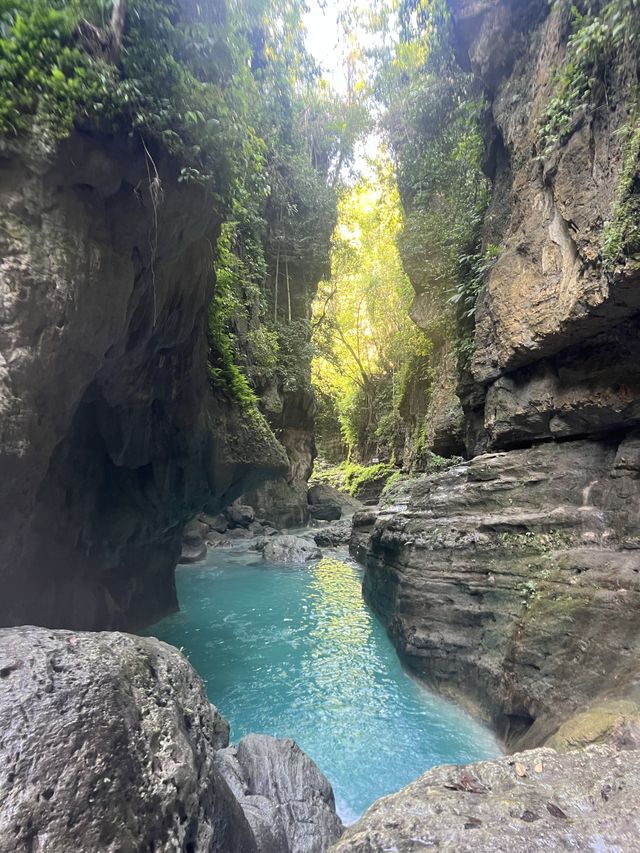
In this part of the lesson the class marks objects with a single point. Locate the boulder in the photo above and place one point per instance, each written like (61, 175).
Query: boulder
(530, 801)
(194, 549)
(218, 523)
(282, 502)
(325, 512)
(240, 515)
(333, 535)
(112, 750)
(321, 496)
(117, 749)
(235, 534)
(290, 549)
(214, 539)
(288, 802)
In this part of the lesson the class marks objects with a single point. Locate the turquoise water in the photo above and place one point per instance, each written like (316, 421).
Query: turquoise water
(295, 652)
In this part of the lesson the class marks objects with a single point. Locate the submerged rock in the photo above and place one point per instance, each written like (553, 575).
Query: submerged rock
(530, 801)
(290, 549)
(288, 802)
(115, 749)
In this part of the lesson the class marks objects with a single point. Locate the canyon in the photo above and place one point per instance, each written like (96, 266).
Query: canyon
(509, 581)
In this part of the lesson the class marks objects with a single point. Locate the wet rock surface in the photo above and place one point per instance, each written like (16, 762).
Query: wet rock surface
(237, 524)
(112, 749)
(329, 504)
(288, 802)
(115, 748)
(530, 801)
(283, 501)
(333, 535)
(513, 581)
(290, 549)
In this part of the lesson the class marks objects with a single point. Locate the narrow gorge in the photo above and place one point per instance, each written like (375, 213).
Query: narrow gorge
(283, 284)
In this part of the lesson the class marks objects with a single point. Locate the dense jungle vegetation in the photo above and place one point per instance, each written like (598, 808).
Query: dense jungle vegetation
(235, 96)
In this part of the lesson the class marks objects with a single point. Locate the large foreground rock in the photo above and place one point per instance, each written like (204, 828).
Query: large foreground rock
(527, 802)
(109, 746)
(268, 777)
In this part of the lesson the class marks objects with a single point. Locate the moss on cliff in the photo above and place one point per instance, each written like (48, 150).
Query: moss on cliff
(162, 77)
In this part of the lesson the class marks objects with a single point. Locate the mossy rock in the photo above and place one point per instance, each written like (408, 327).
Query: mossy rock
(613, 721)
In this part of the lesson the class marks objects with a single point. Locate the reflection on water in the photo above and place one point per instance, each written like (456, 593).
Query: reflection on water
(295, 652)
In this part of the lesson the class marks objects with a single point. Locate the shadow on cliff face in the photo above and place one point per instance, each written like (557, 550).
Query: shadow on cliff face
(112, 437)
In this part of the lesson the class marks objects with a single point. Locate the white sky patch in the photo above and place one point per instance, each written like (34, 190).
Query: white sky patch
(327, 42)
(324, 41)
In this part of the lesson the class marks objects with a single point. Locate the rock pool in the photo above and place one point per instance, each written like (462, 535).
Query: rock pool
(295, 652)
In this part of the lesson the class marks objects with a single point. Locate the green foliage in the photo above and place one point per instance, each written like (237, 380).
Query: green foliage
(433, 123)
(358, 477)
(362, 333)
(621, 235)
(43, 72)
(472, 275)
(603, 40)
(263, 350)
(395, 486)
(474, 269)
(224, 373)
(600, 34)
(351, 477)
(173, 82)
(284, 201)
(295, 354)
(275, 246)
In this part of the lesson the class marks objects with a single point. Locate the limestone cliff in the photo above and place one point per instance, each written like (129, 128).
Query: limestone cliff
(557, 322)
(511, 581)
(110, 436)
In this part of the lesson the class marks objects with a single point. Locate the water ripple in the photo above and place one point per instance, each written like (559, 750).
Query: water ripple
(295, 652)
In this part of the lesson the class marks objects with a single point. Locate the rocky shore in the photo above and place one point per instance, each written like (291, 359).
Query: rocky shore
(512, 581)
(109, 743)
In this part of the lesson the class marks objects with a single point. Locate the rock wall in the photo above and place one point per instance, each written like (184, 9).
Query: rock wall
(116, 748)
(556, 325)
(282, 501)
(110, 436)
(512, 581)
